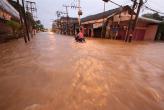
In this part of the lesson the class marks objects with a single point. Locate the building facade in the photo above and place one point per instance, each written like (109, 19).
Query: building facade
(65, 25)
(7, 13)
(114, 24)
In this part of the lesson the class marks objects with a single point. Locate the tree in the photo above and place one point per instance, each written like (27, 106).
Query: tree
(39, 26)
(30, 18)
(155, 16)
(16, 27)
(160, 33)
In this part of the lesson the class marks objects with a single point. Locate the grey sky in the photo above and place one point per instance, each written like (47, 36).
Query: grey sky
(48, 8)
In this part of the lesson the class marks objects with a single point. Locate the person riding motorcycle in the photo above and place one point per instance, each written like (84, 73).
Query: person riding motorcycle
(80, 36)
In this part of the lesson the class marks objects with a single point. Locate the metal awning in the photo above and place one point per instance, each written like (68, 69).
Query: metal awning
(4, 4)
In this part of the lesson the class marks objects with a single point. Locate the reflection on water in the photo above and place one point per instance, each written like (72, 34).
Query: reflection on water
(53, 72)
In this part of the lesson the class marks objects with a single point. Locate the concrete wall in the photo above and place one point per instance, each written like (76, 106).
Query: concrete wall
(151, 32)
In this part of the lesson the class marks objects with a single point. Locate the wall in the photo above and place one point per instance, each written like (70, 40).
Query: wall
(4, 28)
(142, 24)
(151, 32)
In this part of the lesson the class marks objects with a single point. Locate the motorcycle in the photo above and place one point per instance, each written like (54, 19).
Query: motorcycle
(80, 40)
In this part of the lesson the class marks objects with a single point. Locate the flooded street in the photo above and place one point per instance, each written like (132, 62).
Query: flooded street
(53, 72)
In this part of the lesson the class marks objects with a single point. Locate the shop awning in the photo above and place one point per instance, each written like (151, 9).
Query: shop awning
(8, 8)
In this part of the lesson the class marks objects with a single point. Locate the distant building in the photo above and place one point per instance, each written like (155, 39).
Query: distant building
(56, 26)
(65, 25)
(114, 24)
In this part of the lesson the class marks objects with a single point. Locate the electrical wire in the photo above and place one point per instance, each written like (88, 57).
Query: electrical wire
(153, 10)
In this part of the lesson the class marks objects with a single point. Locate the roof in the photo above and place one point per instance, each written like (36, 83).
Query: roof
(4, 4)
(105, 14)
(72, 19)
(149, 20)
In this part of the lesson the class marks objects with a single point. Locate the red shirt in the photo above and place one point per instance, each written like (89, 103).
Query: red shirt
(81, 35)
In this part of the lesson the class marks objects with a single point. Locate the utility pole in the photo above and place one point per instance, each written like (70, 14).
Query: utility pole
(31, 7)
(76, 7)
(21, 20)
(103, 22)
(67, 18)
(59, 13)
(132, 25)
(137, 15)
(25, 21)
(79, 13)
(130, 21)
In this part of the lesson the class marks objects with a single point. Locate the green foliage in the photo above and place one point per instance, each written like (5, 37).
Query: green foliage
(38, 22)
(30, 18)
(155, 16)
(14, 25)
(161, 27)
(35, 24)
(39, 26)
(160, 33)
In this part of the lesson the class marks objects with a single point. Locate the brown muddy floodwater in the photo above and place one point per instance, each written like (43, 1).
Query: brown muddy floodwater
(53, 72)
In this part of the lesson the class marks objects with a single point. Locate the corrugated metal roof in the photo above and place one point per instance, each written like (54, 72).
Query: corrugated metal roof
(4, 4)
(105, 14)
(100, 15)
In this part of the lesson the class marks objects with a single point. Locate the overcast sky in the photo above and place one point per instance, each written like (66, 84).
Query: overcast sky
(47, 8)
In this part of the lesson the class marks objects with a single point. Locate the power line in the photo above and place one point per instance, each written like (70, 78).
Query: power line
(153, 10)
(155, 5)
(115, 3)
